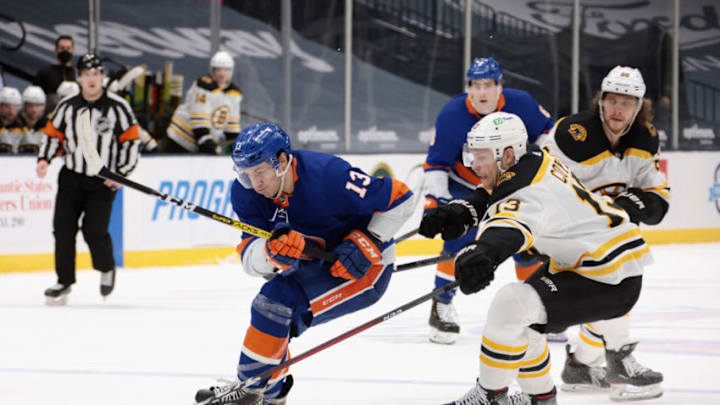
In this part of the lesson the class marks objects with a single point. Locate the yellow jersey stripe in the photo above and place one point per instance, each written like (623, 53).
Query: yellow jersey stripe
(630, 255)
(529, 240)
(589, 341)
(503, 348)
(538, 360)
(602, 250)
(498, 364)
(638, 153)
(534, 375)
(597, 158)
(542, 170)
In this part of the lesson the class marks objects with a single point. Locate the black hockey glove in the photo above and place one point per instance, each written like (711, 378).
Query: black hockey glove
(636, 203)
(474, 267)
(452, 221)
(208, 145)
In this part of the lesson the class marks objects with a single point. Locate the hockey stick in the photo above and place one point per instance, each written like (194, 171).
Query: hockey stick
(406, 235)
(96, 167)
(382, 318)
(423, 262)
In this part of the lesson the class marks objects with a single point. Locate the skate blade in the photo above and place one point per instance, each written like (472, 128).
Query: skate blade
(627, 392)
(443, 338)
(583, 388)
(56, 301)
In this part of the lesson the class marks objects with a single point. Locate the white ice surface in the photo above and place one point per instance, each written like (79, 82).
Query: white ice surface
(165, 332)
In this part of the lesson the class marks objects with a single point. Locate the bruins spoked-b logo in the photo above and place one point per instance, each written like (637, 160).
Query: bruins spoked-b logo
(578, 132)
(220, 116)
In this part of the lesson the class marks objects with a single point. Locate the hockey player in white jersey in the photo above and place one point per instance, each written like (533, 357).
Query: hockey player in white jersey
(594, 273)
(614, 150)
(33, 115)
(210, 113)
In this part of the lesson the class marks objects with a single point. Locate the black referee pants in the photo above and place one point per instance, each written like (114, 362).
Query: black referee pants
(78, 194)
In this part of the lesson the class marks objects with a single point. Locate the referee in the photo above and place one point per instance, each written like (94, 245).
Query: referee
(115, 131)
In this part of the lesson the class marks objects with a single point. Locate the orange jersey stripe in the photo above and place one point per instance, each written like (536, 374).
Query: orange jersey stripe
(131, 134)
(244, 244)
(467, 174)
(264, 344)
(399, 189)
(337, 296)
(53, 132)
(447, 268)
(473, 111)
(427, 166)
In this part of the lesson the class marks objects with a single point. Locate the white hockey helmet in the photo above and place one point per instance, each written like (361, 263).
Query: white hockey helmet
(623, 80)
(10, 95)
(222, 59)
(67, 88)
(496, 131)
(33, 94)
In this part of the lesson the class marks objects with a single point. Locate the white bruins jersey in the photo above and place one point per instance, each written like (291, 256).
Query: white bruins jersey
(207, 109)
(558, 216)
(580, 142)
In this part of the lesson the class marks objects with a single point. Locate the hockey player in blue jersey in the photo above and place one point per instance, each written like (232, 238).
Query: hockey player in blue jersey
(446, 178)
(305, 198)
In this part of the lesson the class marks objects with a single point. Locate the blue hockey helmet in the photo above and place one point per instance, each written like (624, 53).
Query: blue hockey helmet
(484, 68)
(257, 144)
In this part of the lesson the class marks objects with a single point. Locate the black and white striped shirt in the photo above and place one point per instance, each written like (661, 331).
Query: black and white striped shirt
(114, 130)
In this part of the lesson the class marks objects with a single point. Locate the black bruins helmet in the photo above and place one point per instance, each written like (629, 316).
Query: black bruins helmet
(89, 61)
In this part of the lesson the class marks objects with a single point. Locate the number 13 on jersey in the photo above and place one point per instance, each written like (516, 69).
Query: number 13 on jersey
(358, 183)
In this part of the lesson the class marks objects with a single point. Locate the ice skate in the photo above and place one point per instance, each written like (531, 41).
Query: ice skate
(107, 282)
(281, 399)
(521, 398)
(229, 394)
(578, 377)
(630, 380)
(480, 396)
(443, 326)
(57, 294)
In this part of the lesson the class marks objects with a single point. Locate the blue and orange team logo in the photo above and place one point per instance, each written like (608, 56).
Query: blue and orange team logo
(715, 189)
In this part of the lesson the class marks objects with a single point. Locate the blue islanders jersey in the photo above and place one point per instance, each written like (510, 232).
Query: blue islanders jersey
(330, 199)
(458, 117)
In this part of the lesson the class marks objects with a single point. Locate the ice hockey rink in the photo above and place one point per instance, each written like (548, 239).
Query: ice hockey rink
(165, 332)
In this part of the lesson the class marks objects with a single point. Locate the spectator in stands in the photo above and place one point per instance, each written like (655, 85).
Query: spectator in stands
(34, 117)
(11, 126)
(50, 77)
(211, 112)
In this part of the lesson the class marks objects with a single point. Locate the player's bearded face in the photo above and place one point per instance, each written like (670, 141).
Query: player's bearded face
(618, 111)
(485, 167)
(8, 111)
(484, 95)
(34, 110)
(264, 179)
